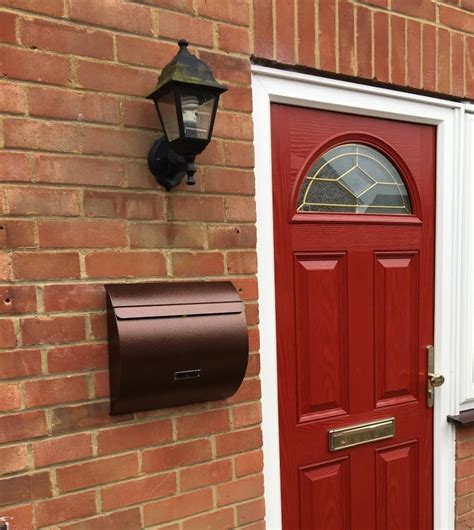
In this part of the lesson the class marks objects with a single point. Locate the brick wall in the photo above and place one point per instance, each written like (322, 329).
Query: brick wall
(465, 479)
(80, 208)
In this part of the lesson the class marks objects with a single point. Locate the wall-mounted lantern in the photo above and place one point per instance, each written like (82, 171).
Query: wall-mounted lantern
(186, 99)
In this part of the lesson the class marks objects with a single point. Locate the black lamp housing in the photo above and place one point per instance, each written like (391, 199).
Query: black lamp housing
(186, 100)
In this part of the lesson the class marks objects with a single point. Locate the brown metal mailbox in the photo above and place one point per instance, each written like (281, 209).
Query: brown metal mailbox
(174, 343)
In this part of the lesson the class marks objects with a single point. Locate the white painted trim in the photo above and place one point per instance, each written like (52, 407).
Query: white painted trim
(272, 85)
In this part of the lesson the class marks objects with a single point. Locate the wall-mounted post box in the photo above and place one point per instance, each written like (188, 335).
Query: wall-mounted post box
(174, 343)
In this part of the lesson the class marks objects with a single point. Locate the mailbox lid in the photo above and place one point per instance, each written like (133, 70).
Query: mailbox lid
(170, 293)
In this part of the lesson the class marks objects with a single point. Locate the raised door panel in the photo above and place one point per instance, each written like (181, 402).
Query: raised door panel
(396, 483)
(321, 320)
(325, 496)
(396, 327)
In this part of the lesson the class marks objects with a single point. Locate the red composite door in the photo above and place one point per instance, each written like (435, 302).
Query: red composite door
(353, 203)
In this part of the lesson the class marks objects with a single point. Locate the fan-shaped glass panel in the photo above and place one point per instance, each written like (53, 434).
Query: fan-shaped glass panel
(354, 178)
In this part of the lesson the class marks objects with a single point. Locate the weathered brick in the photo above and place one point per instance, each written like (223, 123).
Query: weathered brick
(12, 97)
(232, 236)
(248, 463)
(7, 334)
(48, 7)
(42, 201)
(25, 488)
(70, 105)
(13, 458)
(238, 490)
(197, 264)
(125, 264)
(244, 262)
(245, 415)
(263, 28)
(17, 234)
(7, 27)
(73, 297)
(14, 427)
(443, 61)
(250, 512)
(457, 64)
(327, 37)
(227, 67)
(415, 8)
(125, 520)
(165, 235)
(398, 50)
(177, 455)
(206, 475)
(453, 18)
(364, 42)
(218, 519)
(175, 25)
(20, 363)
(50, 330)
(124, 205)
(144, 52)
(77, 358)
(306, 28)
(65, 508)
(203, 424)
(381, 55)
(429, 57)
(233, 38)
(219, 180)
(198, 208)
(140, 114)
(65, 38)
(346, 21)
(63, 449)
(14, 167)
(413, 53)
(82, 234)
(51, 391)
(238, 442)
(10, 397)
(236, 12)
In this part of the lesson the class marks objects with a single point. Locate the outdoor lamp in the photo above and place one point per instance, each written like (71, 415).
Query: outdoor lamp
(186, 99)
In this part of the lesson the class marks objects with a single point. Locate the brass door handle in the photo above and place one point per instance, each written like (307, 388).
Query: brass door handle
(436, 380)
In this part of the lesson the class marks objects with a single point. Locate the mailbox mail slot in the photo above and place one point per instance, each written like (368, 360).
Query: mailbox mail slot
(174, 343)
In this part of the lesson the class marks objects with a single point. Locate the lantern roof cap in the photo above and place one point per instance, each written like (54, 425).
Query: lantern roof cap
(186, 68)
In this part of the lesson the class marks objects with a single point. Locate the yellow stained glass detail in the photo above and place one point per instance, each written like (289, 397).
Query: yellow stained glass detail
(354, 178)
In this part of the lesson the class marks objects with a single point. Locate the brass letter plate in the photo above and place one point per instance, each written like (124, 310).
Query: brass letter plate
(361, 434)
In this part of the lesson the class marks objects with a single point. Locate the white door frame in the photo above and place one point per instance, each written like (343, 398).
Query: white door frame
(451, 333)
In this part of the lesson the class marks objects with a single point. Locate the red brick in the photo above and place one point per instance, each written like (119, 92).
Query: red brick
(174, 26)
(397, 50)
(34, 65)
(7, 334)
(346, 20)
(465, 449)
(176, 455)
(14, 427)
(248, 463)
(237, 442)
(13, 458)
(101, 384)
(144, 52)
(238, 154)
(74, 297)
(364, 43)
(203, 424)
(65, 38)
(443, 61)
(415, 8)
(381, 59)
(78, 358)
(123, 205)
(327, 36)
(227, 67)
(119, 14)
(12, 98)
(18, 234)
(247, 288)
(239, 490)
(177, 507)
(49, 330)
(48, 7)
(165, 235)
(429, 57)
(123, 520)
(52, 391)
(234, 126)
(97, 472)
(197, 264)
(139, 176)
(464, 468)
(74, 170)
(236, 12)
(454, 18)
(51, 136)
(125, 264)
(103, 141)
(414, 53)
(249, 391)
(63, 449)
(134, 437)
(253, 366)
(7, 27)
(251, 314)
(469, 62)
(244, 262)
(82, 234)
(42, 201)
(65, 508)
(219, 180)
(21, 515)
(250, 512)
(206, 475)
(263, 28)
(10, 397)
(465, 486)
(30, 266)
(240, 209)
(212, 155)
(218, 519)
(20, 363)
(25, 488)
(114, 78)
(233, 38)
(177, 5)
(5, 267)
(14, 167)
(192, 208)
(138, 491)
(457, 64)
(237, 98)
(467, 4)
(306, 32)
(285, 29)
(377, 3)
(140, 114)
(80, 106)
(246, 415)
(98, 326)
(232, 236)
(77, 417)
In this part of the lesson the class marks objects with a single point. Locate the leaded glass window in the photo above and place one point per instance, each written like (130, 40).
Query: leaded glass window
(354, 178)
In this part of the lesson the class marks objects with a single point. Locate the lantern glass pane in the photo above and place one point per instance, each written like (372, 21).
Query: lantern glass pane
(169, 120)
(197, 110)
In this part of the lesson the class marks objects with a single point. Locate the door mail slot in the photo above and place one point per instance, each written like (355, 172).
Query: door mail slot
(174, 343)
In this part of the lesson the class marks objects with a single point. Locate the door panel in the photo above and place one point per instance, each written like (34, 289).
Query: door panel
(354, 308)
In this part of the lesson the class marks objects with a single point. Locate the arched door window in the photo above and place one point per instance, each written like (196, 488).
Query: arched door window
(354, 178)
